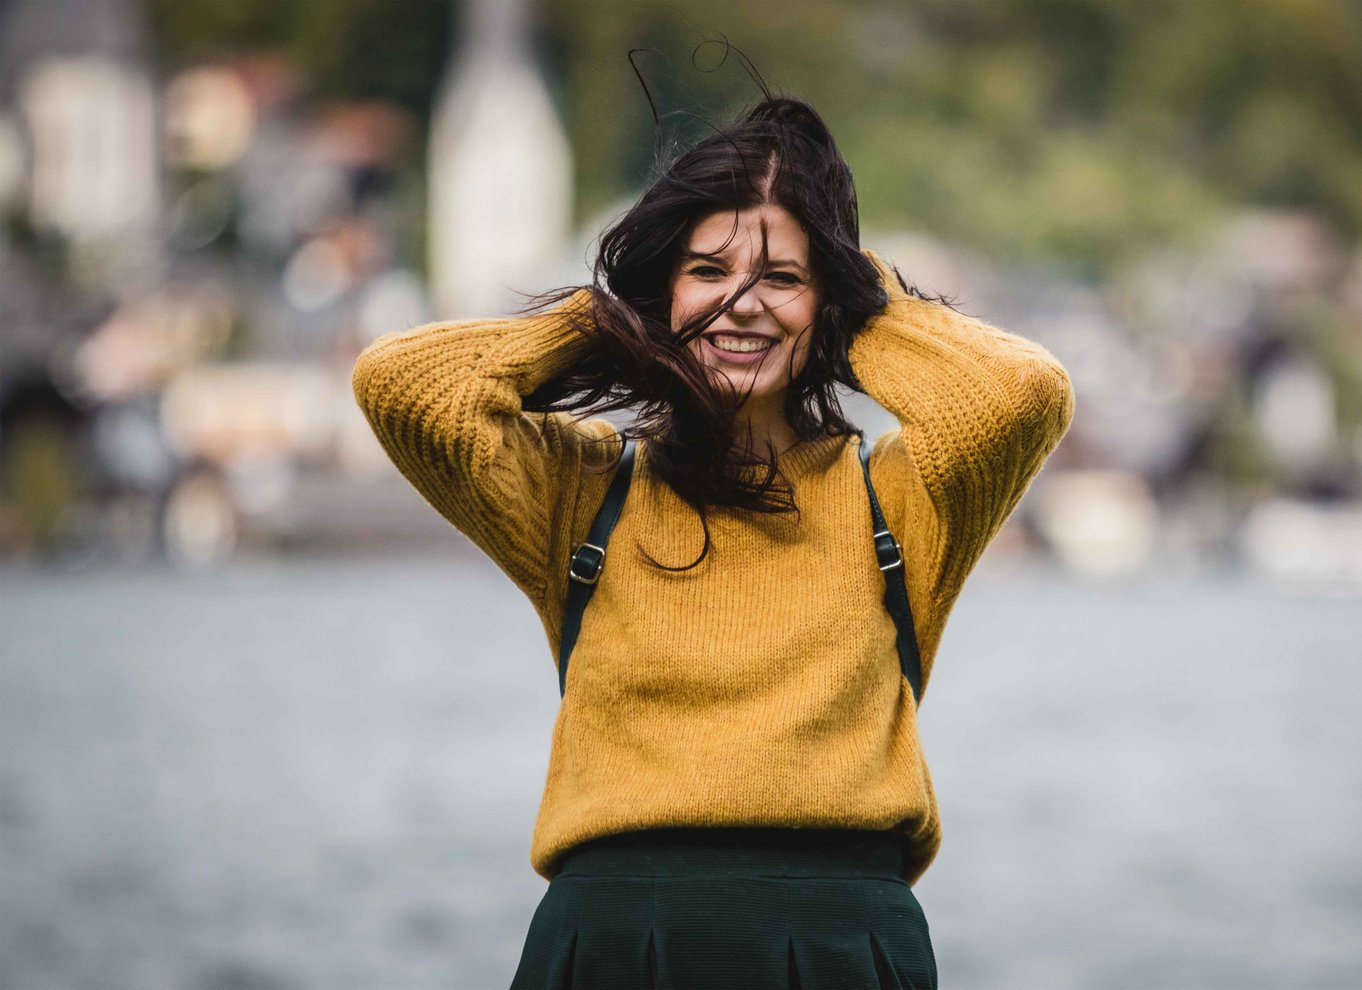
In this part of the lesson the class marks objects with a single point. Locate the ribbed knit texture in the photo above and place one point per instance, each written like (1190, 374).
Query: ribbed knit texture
(763, 686)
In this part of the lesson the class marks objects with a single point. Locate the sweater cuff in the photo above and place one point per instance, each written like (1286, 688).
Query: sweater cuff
(538, 348)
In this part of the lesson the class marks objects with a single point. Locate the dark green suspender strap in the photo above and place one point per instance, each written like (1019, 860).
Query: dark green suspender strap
(890, 555)
(588, 559)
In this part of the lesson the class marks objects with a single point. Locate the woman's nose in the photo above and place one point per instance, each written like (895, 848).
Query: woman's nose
(749, 303)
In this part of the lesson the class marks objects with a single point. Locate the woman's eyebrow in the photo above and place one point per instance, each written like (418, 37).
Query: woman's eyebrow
(718, 257)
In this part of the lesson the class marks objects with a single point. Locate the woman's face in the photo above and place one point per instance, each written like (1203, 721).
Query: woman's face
(763, 340)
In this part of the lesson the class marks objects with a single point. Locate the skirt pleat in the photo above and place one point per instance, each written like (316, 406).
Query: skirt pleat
(548, 958)
(614, 932)
(652, 916)
(830, 934)
(884, 969)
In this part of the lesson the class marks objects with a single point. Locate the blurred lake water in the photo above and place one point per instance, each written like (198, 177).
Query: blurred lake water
(324, 774)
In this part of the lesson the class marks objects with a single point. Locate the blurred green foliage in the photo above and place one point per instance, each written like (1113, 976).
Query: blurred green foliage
(347, 49)
(1074, 129)
(40, 479)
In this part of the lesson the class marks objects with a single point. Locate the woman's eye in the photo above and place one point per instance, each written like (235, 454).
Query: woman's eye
(780, 278)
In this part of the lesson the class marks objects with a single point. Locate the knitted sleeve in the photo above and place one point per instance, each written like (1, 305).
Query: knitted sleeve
(979, 411)
(444, 400)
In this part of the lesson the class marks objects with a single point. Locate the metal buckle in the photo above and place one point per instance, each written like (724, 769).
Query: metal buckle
(882, 549)
(595, 565)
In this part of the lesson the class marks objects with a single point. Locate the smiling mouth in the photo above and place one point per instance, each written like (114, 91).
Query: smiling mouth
(732, 343)
(740, 357)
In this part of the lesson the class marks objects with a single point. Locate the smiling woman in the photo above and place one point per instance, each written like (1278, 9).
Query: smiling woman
(764, 342)
(753, 230)
(736, 792)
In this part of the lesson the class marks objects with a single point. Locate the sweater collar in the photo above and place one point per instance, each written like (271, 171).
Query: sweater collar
(811, 456)
(808, 456)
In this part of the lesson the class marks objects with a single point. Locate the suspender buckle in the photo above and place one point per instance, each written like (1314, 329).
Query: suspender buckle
(888, 550)
(586, 566)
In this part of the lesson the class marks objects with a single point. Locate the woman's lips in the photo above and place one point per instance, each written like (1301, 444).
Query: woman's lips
(737, 357)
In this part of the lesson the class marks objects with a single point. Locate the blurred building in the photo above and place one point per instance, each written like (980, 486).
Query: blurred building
(75, 72)
(192, 263)
(499, 172)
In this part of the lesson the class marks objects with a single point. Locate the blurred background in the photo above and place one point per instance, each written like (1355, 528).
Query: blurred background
(267, 721)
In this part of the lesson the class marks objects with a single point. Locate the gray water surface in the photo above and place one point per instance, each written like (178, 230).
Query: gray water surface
(322, 774)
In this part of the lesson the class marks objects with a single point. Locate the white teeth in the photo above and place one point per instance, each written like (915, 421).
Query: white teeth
(740, 346)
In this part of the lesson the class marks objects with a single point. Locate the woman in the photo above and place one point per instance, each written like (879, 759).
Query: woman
(736, 796)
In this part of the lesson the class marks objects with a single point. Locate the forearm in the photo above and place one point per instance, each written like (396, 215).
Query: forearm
(444, 400)
(979, 409)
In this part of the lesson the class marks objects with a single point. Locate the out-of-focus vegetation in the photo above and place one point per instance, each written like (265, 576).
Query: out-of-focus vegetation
(1155, 114)
(347, 49)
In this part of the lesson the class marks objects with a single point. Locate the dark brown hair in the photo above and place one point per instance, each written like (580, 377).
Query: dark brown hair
(780, 152)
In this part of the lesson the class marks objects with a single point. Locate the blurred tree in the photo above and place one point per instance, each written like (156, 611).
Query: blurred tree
(347, 49)
(1080, 129)
(1077, 129)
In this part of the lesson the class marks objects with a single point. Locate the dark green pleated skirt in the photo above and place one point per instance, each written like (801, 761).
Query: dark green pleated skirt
(751, 908)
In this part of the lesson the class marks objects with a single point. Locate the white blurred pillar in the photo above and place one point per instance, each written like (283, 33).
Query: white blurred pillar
(79, 77)
(500, 172)
(92, 128)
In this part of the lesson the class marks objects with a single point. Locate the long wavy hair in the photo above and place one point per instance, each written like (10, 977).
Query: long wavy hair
(778, 153)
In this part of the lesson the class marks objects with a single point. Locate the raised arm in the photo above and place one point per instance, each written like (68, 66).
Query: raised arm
(444, 399)
(979, 410)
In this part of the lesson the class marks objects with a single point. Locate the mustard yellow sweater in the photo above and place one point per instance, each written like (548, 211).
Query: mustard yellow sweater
(762, 687)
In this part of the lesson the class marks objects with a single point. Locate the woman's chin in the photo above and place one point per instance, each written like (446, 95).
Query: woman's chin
(738, 378)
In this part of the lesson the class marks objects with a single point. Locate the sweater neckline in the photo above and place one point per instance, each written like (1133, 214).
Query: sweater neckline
(808, 456)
